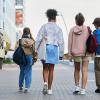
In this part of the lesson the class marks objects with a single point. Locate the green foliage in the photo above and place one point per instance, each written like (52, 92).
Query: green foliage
(7, 61)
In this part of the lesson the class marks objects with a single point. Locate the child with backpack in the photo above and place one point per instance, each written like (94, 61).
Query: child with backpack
(77, 49)
(96, 33)
(25, 76)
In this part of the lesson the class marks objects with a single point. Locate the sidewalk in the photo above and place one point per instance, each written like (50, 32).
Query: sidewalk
(63, 84)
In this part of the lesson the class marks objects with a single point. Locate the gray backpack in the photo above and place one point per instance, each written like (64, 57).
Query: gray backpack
(1, 41)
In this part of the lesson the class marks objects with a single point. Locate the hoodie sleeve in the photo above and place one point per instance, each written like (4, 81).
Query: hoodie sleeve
(70, 42)
(39, 38)
(61, 43)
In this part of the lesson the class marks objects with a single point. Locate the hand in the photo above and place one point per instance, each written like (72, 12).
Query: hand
(70, 57)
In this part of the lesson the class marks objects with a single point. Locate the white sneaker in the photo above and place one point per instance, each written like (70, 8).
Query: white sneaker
(77, 88)
(82, 92)
(26, 90)
(49, 92)
(45, 88)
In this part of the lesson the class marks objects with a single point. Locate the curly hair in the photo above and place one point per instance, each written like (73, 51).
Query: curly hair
(79, 18)
(51, 14)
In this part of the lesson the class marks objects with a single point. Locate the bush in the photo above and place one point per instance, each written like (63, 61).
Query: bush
(7, 61)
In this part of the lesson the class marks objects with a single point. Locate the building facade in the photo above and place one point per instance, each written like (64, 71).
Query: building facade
(12, 18)
(19, 21)
(1, 13)
(7, 19)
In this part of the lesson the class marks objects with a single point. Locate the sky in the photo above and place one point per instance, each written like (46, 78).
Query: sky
(35, 13)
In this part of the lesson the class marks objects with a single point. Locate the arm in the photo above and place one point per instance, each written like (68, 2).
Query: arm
(39, 38)
(61, 43)
(70, 42)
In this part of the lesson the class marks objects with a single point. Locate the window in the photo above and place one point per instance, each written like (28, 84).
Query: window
(19, 17)
(19, 2)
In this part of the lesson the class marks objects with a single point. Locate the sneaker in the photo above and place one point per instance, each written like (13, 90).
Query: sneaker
(97, 90)
(77, 90)
(82, 92)
(45, 88)
(20, 89)
(26, 90)
(49, 92)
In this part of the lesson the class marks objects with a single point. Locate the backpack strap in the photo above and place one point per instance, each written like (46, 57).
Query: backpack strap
(89, 31)
(20, 42)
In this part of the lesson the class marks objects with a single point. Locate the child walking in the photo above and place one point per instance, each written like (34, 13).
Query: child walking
(96, 33)
(52, 49)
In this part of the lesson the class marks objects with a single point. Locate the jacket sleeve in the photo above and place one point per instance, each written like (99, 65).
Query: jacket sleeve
(39, 38)
(70, 42)
(61, 43)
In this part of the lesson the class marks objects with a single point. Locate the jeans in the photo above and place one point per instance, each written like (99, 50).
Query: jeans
(26, 73)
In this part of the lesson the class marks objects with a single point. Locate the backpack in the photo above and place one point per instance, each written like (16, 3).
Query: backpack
(19, 56)
(34, 54)
(1, 41)
(91, 43)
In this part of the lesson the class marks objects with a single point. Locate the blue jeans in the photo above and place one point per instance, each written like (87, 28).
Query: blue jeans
(26, 73)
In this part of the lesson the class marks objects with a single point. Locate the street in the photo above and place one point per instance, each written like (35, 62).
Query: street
(63, 84)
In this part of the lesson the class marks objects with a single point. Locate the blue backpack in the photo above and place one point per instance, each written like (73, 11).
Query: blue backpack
(19, 56)
(96, 33)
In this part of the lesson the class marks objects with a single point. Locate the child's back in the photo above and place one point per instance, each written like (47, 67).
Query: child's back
(97, 35)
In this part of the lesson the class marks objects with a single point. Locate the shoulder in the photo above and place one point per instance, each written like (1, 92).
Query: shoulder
(72, 29)
(86, 27)
(27, 40)
(43, 26)
(57, 28)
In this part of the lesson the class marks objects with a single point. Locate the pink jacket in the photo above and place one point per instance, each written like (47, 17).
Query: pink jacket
(77, 40)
